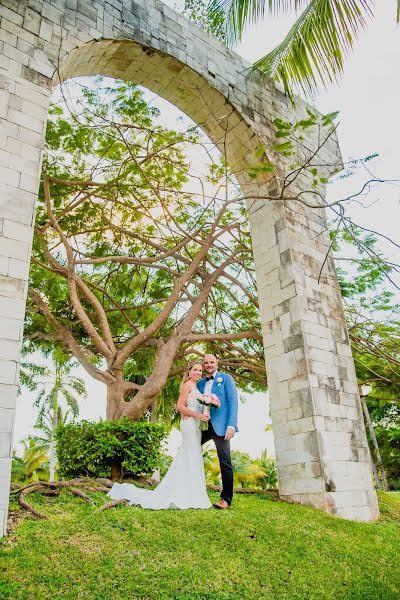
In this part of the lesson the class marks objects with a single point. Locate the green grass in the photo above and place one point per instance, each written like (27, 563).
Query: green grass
(262, 548)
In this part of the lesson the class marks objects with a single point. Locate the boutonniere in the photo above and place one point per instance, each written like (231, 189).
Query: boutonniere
(219, 380)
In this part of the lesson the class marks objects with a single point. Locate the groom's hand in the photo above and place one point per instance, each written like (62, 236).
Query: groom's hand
(230, 432)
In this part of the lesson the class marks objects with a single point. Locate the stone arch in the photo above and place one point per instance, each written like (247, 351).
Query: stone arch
(320, 440)
(182, 86)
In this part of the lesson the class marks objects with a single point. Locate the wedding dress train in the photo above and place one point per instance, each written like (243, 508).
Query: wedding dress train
(184, 485)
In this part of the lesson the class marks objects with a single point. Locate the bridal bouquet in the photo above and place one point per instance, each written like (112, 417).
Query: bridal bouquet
(208, 401)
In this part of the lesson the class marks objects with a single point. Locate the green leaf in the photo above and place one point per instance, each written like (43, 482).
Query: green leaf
(316, 45)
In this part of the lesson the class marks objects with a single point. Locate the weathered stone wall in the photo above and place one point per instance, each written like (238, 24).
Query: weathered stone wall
(318, 428)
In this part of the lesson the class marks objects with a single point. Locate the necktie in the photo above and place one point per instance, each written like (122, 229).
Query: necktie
(208, 378)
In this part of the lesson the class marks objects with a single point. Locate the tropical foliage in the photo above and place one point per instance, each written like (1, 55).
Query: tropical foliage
(385, 416)
(34, 464)
(373, 318)
(315, 48)
(248, 472)
(56, 387)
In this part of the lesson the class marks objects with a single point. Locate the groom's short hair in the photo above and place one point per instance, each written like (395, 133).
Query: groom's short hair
(213, 355)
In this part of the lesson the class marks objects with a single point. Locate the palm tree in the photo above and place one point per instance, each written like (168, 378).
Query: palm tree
(18, 470)
(316, 45)
(211, 466)
(246, 472)
(58, 386)
(268, 464)
(36, 458)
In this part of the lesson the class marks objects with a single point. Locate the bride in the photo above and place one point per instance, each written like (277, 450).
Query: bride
(184, 485)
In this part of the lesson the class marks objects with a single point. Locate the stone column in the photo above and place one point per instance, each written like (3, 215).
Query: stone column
(24, 99)
(320, 440)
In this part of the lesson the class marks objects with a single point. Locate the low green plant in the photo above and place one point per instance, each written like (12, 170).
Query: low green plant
(104, 448)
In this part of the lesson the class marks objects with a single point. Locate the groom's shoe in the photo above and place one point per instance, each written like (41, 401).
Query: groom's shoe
(222, 504)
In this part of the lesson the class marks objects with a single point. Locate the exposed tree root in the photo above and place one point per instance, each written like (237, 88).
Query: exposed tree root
(111, 505)
(104, 481)
(100, 488)
(15, 487)
(53, 488)
(102, 485)
(26, 505)
(81, 494)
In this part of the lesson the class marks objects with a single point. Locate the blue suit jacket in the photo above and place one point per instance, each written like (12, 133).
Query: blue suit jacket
(225, 390)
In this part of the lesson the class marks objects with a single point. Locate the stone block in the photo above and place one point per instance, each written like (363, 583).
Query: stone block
(4, 265)
(10, 328)
(5, 444)
(8, 371)
(16, 55)
(20, 118)
(358, 513)
(10, 349)
(301, 425)
(10, 175)
(307, 447)
(14, 309)
(6, 420)
(10, 15)
(318, 500)
(3, 520)
(11, 287)
(308, 485)
(348, 499)
(8, 395)
(28, 182)
(5, 480)
(18, 269)
(17, 231)
(14, 248)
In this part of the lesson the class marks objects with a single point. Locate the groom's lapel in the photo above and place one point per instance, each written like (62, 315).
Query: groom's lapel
(201, 385)
(214, 384)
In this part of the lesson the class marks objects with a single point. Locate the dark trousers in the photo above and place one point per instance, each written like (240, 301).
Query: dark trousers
(224, 454)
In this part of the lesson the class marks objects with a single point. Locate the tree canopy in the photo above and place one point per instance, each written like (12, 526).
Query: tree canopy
(139, 264)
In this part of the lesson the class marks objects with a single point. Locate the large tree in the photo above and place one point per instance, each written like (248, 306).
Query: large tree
(137, 262)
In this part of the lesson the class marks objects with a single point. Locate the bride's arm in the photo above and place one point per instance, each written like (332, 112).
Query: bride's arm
(181, 404)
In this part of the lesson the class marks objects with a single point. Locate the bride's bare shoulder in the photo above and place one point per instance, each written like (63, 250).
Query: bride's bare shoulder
(187, 386)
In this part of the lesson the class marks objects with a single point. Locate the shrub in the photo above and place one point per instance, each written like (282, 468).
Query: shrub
(107, 448)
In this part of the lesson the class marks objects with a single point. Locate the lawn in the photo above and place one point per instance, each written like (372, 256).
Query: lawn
(261, 548)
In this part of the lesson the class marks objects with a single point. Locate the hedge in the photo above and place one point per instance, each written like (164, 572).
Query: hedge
(99, 449)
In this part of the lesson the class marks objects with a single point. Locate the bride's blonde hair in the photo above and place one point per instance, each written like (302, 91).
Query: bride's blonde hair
(186, 375)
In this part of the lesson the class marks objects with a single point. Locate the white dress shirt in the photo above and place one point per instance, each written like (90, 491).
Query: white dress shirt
(207, 390)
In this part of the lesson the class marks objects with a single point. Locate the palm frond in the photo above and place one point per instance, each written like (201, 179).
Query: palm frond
(71, 401)
(77, 384)
(317, 44)
(241, 13)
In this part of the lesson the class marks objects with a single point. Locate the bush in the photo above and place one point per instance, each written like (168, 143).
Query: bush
(108, 448)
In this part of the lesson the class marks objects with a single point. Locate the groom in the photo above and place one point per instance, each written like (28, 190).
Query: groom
(223, 422)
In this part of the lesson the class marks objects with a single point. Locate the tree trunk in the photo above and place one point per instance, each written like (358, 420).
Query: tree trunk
(156, 475)
(116, 470)
(374, 470)
(115, 407)
(115, 397)
(381, 468)
(52, 460)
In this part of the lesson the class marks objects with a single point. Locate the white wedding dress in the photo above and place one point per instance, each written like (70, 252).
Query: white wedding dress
(184, 485)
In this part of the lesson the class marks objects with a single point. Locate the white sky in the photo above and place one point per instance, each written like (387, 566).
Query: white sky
(368, 98)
